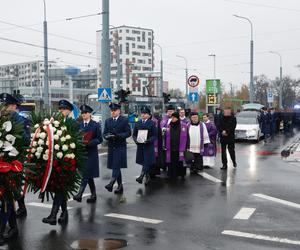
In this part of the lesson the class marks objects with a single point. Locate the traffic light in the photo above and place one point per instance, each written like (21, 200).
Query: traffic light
(166, 97)
(122, 95)
(118, 95)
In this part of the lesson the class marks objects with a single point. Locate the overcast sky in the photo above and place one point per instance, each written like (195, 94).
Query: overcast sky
(191, 28)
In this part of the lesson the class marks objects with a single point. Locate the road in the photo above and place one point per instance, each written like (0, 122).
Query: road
(255, 206)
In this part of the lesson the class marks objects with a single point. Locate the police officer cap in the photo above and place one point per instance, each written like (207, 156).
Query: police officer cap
(170, 107)
(64, 104)
(145, 110)
(86, 109)
(9, 99)
(114, 106)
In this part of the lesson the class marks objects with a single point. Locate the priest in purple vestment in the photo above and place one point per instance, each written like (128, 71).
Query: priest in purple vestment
(210, 150)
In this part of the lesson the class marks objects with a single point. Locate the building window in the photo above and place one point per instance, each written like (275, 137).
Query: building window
(149, 33)
(127, 31)
(149, 61)
(120, 49)
(128, 38)
(136, 53)
(141, 61)
(127, 48)
(136, 32)
(138, 38)
(133, 59)
(133, 45)
(143, 36)
(149, 43)
(141, 47)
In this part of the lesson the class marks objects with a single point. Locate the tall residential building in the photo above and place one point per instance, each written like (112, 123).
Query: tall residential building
(132, 59)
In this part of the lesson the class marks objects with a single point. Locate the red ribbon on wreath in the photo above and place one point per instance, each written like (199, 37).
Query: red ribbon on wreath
(14, 166)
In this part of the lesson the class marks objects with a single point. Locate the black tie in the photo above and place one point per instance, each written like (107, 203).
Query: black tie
(85, 124)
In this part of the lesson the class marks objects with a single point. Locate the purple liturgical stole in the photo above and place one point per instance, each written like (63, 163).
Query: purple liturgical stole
(182, 144)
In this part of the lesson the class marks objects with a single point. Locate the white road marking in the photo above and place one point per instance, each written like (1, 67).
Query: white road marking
(134, 218)
(260, 237)
(244, 214)
(280, 201)
(43, 205)
(209, 177)
(84, 195)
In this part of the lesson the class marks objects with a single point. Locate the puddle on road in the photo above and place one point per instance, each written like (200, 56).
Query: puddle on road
(100, 244)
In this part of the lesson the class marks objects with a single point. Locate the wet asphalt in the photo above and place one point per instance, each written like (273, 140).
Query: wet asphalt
(194, 212)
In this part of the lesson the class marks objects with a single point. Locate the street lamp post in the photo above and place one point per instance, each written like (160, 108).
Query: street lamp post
(46, 72)
(161, 86)
(281, 83)
(251, 97)
(186, 79)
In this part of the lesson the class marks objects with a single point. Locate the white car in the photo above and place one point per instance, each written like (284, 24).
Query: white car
(97, 117)
(247, 127)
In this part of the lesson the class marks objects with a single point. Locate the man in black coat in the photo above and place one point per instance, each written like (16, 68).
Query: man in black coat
(92, 137)
(227, 132)
(116, 131)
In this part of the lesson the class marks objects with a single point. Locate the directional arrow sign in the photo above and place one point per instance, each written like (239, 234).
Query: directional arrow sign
(193, 97)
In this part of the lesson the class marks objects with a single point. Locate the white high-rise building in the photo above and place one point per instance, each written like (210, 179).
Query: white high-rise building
(133, 47)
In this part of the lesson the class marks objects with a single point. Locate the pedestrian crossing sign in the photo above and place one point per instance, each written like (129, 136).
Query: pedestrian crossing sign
(104, 95)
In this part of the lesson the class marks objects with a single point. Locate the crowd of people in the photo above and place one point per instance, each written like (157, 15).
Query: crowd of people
(168, 144)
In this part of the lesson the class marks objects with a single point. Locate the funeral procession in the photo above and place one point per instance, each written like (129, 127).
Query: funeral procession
(160, 125)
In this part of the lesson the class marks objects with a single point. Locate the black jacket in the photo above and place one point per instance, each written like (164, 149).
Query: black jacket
(227, 123)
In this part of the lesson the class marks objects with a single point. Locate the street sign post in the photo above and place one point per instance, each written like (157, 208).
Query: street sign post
(104, 95)
(270, 97)
(213, 86)
(193, 97)
(193, 81)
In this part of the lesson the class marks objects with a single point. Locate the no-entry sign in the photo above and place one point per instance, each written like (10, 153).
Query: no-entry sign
(193, 81)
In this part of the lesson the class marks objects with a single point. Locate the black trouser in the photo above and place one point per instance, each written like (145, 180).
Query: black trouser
(176, 167)
(91, 183)
(197, 163)
(231, 152)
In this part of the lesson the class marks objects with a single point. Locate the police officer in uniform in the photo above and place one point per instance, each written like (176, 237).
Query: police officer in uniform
(12, 104)
(92, 137)
(60, 201)
(145, 154)
(116, 130)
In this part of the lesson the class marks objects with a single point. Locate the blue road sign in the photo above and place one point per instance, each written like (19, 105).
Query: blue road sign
(193, 97)
(104, 95)
(270, 97)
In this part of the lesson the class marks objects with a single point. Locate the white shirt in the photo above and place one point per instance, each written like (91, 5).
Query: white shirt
(115, 118)
(86, 122)
(195, 138)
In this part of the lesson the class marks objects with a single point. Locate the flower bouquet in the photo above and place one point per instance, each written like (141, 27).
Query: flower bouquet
(56, 156)
(12, 156)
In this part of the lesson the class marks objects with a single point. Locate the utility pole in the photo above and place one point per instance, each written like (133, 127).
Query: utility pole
(160, 88)
(46, 72)
(186, 80)
(105, 57)
(281, 83)
(215, 83)
(251, 89)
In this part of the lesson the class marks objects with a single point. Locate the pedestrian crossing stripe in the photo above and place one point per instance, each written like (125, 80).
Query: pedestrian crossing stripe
(104, 95)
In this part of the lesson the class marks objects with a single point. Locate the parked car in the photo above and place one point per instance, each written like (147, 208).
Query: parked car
(97, 117)
(247, 127)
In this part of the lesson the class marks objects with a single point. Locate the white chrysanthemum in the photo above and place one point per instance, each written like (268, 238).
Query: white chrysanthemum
(59, 132)
(45, 157)
(1, 144)
(36, 125)
(56, 137)
(56, 123)
(38, 155)
(7, 126)
(14, 152)
(54, 129)
(73, 145)
(33, 150)
(63, 139)
(59, 155)
(63, 128)
(68, 137)
(46, 122)
(72, 156)
(65, 148)
(47, 151)
(56, 147)
(45, 127)
(40, 149)
(47, 142)
(41, 142)
(34, 144)
(42, 135)
(32, 135)
(10, 138)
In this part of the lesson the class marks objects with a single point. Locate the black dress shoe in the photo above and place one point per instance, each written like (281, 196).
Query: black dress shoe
(51, 219)
(224, 167)
(92, 199)
(12, 233)
(21, 212)
(119, 190)
(63, 217)
(234, 165)
(110, 185)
